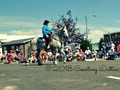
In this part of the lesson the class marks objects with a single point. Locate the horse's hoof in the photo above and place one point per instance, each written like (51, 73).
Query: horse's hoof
(40, 64)
(64, 62)
(56, 63)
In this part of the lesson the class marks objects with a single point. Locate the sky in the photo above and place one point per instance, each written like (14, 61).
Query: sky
(25, 17)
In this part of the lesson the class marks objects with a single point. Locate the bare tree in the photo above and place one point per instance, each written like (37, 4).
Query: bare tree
(70, 23)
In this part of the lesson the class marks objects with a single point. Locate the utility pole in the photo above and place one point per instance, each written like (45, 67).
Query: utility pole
(86, 27)
(86, 20)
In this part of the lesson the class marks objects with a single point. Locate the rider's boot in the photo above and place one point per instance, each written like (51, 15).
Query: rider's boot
(48, 47)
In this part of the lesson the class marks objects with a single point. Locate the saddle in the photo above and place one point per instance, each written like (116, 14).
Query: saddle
(40, 40)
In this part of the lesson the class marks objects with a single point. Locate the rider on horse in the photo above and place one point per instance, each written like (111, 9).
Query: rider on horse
(47, 32)
(55, 44)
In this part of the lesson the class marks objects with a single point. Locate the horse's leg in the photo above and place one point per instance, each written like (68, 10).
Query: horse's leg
(38, 44)
(38, 57)
(27, 63)
(54, 52)
(64, 56)
(64, 59)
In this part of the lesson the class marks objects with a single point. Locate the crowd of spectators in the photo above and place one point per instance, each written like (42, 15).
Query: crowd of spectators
(107, 52)
(12, 56)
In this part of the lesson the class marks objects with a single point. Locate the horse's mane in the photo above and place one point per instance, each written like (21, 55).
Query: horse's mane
(56, 37)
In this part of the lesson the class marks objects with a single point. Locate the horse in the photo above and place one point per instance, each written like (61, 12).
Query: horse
(55, 43)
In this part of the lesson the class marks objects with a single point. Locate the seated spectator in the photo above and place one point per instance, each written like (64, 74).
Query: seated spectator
(94, 54)
(88, 53)
(108, 48)
(75, 54)
(14, 56)
(118, 49)
(19, 56)
(0, 57)
(112, 56)
(112, 46)
(110, 53)
(50, 56)
(17, 51)
(66, 48)
(70, 55)
(10, 57)
(32, 58)
(101, 53)
(58, 55)
(4, 57)
(81, 55)
(43, 55)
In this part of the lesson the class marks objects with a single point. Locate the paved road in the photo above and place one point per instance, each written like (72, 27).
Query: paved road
(94, 75)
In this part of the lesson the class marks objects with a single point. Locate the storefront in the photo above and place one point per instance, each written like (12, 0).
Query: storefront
(22, 45)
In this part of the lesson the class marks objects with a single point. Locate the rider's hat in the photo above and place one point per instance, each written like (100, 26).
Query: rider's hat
(46, 22)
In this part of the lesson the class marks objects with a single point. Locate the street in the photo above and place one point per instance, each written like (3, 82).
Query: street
(84, 75)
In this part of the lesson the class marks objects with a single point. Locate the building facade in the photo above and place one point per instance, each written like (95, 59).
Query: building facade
(22, 45)
(114, 37)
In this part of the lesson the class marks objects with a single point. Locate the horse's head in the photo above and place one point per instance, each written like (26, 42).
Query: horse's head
(63, 31)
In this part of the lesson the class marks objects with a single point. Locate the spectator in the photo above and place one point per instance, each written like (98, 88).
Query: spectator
(5, 52)
(101, 53)
(10, 57)
(108, 49)
(118, 49)
(88, 53)
(0, 57)
(17, 51)
(57, 55)
(75, 54)
(70, 55)
(32, 58)
(81, 55)
(112, 46)
(43, 55)
(66, 48)
(94, 54)
(103, 47)
(50, 56)
(4, 56)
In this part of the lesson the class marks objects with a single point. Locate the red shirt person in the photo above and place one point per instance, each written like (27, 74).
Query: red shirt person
(81, 55)
(118, 48)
